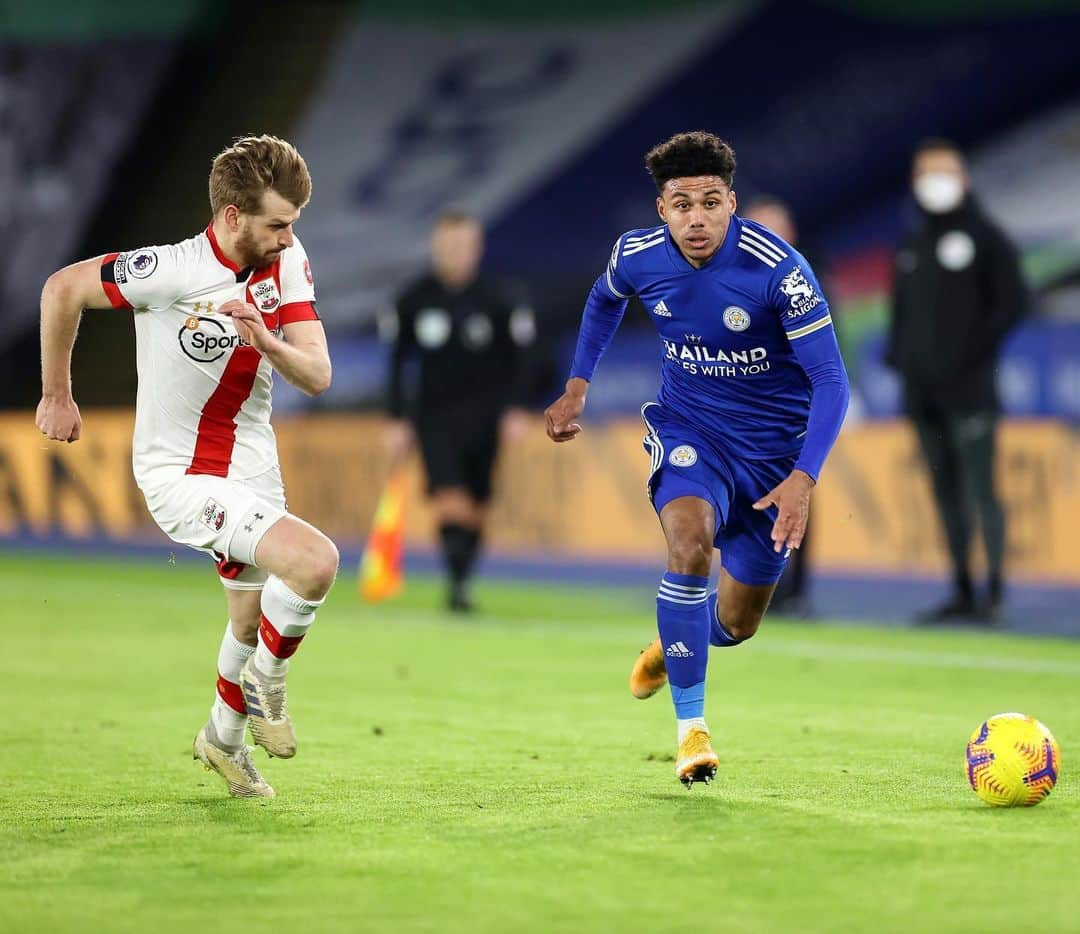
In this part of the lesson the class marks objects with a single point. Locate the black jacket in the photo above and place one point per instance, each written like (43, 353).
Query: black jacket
(466, 351)
(957, 291)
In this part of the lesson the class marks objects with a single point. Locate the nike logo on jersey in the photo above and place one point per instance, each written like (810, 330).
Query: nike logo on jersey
(661, 310)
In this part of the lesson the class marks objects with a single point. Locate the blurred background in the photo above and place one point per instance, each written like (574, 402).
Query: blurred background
(535, 117)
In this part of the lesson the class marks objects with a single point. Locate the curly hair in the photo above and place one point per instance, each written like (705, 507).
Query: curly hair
(243, 172)
(689, 154)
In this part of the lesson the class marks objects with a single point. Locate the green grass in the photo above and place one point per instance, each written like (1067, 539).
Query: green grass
(495, 774)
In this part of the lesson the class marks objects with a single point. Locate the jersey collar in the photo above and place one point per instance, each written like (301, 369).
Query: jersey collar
(720, 258)
(219, 254)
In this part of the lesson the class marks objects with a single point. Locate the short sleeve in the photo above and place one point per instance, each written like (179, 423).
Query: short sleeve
(615, 278)
(150, 277)
(798, 299)
(297, 286)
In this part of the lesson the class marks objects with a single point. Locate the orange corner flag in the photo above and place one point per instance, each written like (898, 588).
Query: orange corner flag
(381, 573)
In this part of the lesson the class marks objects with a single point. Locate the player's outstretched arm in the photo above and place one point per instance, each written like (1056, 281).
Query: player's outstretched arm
(603, 313)
(66, 293)
(302, 358)
(560, 415)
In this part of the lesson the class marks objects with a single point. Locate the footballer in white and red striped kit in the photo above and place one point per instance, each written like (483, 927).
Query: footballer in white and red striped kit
(214, 317)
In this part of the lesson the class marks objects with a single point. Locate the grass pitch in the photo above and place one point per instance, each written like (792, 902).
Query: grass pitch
(494, 774)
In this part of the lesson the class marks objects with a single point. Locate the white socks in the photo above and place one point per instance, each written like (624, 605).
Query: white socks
(685, 726)
(286, 618)
(229, 714)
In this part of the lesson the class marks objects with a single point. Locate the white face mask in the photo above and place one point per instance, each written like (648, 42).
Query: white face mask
(939, 192)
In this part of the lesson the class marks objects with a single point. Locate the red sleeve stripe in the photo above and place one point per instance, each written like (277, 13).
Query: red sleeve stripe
(297, 311)
(108, 282)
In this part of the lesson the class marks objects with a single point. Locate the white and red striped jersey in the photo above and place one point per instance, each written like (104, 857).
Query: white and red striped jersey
(203, 404)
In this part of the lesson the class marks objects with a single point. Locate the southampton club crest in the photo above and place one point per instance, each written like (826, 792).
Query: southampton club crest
(213, 515)
(265, 294)
(800, 292)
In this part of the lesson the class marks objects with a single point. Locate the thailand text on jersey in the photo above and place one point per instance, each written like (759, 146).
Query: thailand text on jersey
(729, 331)
(203, 404)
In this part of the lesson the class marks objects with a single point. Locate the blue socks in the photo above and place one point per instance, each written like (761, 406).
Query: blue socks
(682, 616)
(686, 618)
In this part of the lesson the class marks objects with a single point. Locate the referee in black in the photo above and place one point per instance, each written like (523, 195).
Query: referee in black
(459, 379)
(958, 290)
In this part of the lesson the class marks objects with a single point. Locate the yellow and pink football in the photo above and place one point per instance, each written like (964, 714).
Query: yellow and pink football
(1012, 761)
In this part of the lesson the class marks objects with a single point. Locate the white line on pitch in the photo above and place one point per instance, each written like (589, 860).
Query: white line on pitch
(828, 653)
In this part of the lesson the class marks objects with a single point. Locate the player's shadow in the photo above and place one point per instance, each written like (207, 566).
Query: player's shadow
(228, 810)
(694, 800)
(978, 808)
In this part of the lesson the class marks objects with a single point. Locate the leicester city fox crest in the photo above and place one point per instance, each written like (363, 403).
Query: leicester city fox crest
(683, 456)
(736, 318)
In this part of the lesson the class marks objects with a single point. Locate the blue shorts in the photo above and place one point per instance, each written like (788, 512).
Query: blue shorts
(685, 463)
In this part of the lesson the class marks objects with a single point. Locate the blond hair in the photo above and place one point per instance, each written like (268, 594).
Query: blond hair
(243, 172)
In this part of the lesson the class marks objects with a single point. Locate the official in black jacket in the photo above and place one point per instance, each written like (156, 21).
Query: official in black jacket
(957, 291)
(459, 377)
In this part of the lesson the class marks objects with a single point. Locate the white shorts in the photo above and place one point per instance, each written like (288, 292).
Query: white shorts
(224, 518)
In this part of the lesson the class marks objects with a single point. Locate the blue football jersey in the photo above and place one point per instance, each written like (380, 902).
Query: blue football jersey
(730, 332)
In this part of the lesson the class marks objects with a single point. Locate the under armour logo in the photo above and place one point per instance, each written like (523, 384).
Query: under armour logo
(258, 516)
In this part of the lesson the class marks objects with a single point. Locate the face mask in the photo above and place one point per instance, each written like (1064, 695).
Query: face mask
(939, 192)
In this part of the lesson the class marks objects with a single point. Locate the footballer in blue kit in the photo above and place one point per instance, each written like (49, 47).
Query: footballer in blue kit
(752, 397)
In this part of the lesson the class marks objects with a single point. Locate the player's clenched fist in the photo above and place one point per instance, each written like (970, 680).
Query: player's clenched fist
(560, 415)
(249, 324)
(59, 419)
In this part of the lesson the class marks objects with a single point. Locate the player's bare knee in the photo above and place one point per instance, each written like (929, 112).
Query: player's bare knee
(244, 614)
(689, 556)
(740, 618)
(328, 568)
(319, 570)
(742, 624)
(246, 627)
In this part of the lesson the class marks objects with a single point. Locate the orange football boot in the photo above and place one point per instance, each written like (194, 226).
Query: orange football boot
(696, 761)
(650, 672)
